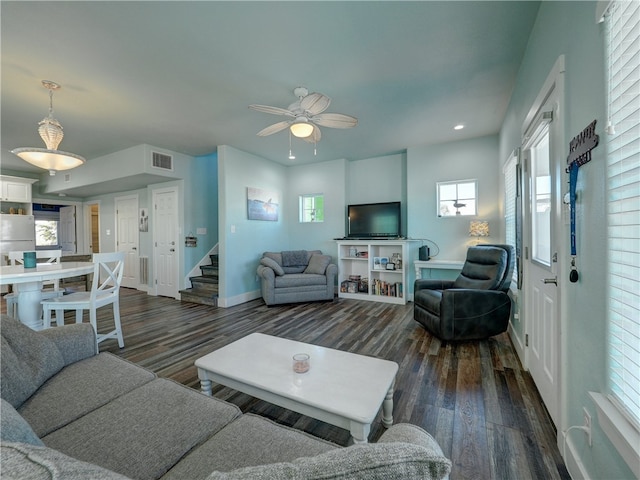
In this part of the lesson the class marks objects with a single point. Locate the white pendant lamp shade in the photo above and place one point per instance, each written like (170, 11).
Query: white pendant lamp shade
(50, 130)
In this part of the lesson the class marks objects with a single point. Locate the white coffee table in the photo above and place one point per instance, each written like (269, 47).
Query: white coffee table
(341, 388)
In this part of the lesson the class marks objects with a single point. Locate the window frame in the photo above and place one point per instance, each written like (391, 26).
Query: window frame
(313, 215)
(440, 186)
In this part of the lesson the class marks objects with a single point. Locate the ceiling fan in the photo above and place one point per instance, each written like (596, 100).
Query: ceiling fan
(306, 116)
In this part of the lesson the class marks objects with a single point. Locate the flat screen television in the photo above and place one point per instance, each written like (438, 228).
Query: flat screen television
(374, 220)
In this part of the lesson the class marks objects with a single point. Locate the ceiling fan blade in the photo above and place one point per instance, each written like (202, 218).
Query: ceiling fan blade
(275, 128)
(335, 120)
(315, 135)
(272, 110)
(315, 103)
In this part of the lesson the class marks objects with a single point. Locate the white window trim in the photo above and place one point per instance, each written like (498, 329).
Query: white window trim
(456, 183)
(620, 431)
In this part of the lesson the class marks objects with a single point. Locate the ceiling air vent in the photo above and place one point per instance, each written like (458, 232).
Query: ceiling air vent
(161, 160)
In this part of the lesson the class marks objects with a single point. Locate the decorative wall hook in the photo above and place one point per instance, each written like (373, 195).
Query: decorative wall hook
(579, 154)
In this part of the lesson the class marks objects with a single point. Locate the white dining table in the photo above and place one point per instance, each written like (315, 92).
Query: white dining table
(28, 283)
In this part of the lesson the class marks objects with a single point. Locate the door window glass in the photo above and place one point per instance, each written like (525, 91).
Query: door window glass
(541, 199)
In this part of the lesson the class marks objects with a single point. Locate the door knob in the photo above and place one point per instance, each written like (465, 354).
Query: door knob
(134, 248)
(172, 249)
(553, 280)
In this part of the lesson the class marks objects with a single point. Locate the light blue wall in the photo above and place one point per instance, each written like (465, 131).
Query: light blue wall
(569, 28)
(201, 208)
(468, 159)
(327, 178)
(240, 250)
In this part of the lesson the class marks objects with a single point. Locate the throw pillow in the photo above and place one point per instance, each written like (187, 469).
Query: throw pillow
(14, 428)
(375, 461)
(21, 460)
(318, 264)
(272, 264)
(27, 360)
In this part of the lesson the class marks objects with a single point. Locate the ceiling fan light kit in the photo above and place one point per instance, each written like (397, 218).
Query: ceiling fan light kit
(301, 128)
(50, 130)
(306, 116)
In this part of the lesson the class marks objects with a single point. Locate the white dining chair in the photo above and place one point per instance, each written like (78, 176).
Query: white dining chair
(105, 290)
(43, 257)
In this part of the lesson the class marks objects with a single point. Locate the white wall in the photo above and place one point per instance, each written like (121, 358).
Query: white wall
(468, 159)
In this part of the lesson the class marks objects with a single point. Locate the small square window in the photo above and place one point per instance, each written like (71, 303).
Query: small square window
(457, 198)
(312, 208)
(46, 233)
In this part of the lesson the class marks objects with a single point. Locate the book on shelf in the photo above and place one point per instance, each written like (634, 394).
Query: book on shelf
(387, 289)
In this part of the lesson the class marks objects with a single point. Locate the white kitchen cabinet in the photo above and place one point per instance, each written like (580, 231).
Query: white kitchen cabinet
(16, 189)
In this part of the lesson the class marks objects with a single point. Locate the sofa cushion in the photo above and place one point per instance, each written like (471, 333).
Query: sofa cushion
(14, 428)
(81, 388)
(143, 433)
(383, 461)
(248, 441)
(272, 264)
(318, 264)
(275, 256)
(300, 280)
(25, 461)
(27, 360)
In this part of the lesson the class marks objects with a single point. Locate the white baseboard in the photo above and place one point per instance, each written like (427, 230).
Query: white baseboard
(575, 466)
(518, 345)
(238, 299)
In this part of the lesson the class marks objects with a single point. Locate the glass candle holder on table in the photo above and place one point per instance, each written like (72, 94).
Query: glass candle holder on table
(301, 363)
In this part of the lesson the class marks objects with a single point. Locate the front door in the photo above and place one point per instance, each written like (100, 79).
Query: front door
(128, 237)
(542, 149)
(165, 237)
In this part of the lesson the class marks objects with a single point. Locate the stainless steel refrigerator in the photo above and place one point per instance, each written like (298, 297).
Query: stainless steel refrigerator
(17, 233)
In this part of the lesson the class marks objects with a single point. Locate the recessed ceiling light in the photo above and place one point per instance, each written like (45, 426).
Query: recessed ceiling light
(458, 127)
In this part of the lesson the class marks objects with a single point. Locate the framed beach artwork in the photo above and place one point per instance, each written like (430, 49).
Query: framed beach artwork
(262, 204)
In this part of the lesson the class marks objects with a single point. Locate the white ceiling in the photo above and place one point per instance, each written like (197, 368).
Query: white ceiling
(180, 75)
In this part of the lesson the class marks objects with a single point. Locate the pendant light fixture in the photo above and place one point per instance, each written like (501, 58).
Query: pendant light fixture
(50, 130)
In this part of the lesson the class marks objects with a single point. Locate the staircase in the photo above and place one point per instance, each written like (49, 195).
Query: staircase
(204, 289)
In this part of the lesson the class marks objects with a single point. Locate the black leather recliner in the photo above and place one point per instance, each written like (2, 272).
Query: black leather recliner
(474, 306)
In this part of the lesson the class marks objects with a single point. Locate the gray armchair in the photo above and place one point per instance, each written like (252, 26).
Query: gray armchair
(474, 306)
(296, 276)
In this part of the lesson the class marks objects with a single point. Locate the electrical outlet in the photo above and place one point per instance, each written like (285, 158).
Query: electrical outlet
(587, 424)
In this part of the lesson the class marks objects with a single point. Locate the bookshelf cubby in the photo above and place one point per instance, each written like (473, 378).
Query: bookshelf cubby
(376, 270)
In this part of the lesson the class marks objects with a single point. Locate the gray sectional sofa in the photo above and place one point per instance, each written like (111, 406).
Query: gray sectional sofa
(296, 276)
(69, 412)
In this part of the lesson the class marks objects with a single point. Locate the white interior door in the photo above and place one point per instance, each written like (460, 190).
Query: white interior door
(128, 238)
(165, 237)
(542, 151)
(67, 229)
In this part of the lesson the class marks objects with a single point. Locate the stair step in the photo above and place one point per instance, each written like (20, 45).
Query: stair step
(209, 271)
(205, 284)
(197, 296)
(214, 259)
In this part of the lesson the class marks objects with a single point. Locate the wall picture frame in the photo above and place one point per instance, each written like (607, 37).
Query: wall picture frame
(380, 263)
(262, 204)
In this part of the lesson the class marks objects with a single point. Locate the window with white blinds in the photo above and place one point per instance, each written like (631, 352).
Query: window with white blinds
(510, 199)
(623, 182)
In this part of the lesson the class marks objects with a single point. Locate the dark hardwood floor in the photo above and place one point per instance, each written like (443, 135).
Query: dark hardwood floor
(473, 397)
